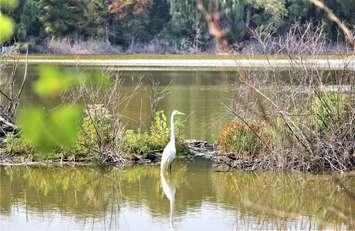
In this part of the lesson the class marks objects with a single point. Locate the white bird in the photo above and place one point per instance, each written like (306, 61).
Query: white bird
(169, 152)
(169, 191)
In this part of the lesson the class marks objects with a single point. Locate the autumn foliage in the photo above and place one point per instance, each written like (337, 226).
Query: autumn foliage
(239, 138)
(122, 8)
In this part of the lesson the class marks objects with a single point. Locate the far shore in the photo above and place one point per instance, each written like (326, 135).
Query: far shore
(195, 62)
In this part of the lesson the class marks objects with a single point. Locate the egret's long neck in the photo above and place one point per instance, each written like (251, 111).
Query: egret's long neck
(172, 133)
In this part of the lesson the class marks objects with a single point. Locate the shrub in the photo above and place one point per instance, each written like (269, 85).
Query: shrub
(135, 142)
(86, 141)
(153, 140)
(18, 146)
(237, 137)
(328, 110)
(159, 130)
(96, 132)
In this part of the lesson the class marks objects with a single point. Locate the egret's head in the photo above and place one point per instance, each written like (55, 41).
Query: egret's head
(176, 112)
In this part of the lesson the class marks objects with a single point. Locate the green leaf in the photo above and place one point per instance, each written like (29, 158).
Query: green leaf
(52, 82)
(31, 122)
(6, 28)
(33, 127)
(59, 128)
(66, 121)
(8, 3)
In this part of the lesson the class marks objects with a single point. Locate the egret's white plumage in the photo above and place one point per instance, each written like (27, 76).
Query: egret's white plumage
(169, 152)
(169, 191)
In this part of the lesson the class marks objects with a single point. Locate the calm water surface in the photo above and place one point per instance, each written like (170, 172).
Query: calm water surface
(194, 197)
(201, 95)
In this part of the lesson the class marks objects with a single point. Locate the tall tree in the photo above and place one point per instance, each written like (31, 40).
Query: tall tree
(138, 20)
(63, 17)
(98, 19)
(29, 25)
(235, 15)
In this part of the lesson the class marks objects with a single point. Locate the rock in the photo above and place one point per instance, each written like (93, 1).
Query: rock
(6, 127)
(201, 148)
(151, 156)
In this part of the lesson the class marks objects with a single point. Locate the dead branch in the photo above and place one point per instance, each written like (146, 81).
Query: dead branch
(347, 32)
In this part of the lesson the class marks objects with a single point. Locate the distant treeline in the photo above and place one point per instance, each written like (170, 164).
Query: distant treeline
(125, 22)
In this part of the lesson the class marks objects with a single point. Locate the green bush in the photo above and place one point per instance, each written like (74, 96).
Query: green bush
(276, 132)
(18, 146)
(328, 110)
(85, 143)
(153, 140)
(237, 137)
(96, 131)
(135, 142)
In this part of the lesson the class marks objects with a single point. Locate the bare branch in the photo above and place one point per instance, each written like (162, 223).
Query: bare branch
(347, 32)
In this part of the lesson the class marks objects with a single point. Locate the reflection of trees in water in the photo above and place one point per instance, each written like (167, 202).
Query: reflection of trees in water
(75, 190)
(86, 192)
(286, 197)
(82, 191)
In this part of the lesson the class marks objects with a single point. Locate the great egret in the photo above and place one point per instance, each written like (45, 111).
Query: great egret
(170, 150)
(169, 191)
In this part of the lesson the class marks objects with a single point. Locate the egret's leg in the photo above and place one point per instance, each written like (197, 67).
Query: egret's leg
(170, 168)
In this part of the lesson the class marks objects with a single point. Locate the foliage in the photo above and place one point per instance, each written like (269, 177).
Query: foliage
(100, 118)
(96, 131)
(135, 142)
(153, 140)
(61, 17)
(98, 19)
(51, 82)
(237, 137)
(8, 3)
(86, 142)
(28, 26)
(122, 8)
(328, 110)
(6, 28)
(277, 131)
(159, 130)
(47, 129)
(137, 20)
(6, 23)
(275, 8)
(127, 22)
(18, 146)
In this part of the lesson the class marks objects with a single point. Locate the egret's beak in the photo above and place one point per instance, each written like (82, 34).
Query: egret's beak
(180, 113)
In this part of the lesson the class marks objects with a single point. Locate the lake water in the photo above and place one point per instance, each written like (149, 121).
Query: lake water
(201, 95)
(193, 197)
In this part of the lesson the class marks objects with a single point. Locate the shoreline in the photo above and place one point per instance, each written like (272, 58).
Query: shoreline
(221, 162)
(191, 63)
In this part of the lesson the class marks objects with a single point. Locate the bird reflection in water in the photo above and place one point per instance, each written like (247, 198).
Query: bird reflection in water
(169, 191)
